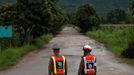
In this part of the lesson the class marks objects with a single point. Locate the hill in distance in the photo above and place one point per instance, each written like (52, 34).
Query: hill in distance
(101, 6)
(7, 1)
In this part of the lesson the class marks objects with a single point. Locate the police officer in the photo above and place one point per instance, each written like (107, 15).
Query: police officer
(88, 62)
(57, 63)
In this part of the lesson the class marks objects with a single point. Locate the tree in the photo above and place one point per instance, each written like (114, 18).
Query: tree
(7, 14)
(132, 10)
(29, 18)
(86, 17)
(71, 18)
(57, 18)
(116, 16)
(32, 18)
(37, 17)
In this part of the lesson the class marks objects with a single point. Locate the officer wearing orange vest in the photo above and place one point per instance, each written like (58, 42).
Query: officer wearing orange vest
(88, 62)
(57, 63)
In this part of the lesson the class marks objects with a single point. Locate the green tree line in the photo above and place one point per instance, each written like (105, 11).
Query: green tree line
(87, 19)
(32, 18)
(86, 16)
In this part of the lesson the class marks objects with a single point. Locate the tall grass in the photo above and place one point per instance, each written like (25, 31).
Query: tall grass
(115, 38)
(11, 56)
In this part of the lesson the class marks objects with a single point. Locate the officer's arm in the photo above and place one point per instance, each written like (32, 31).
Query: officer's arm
(66, 67)
(50, 67)
(80, 67)
(95, 67)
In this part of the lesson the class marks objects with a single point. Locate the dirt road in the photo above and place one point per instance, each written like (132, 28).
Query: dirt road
(71, 42)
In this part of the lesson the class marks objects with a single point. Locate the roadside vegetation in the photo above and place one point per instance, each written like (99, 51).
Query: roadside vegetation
(115, 29)
(32, 19)
(118, 37)
(34, 23)
(115, 38)
(12, 56)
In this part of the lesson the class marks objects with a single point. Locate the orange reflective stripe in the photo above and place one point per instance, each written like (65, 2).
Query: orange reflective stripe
(90, 58)
(90, 71)
(60, 72)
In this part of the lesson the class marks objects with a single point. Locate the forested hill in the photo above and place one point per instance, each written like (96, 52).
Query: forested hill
(102, 6)
(7, 1)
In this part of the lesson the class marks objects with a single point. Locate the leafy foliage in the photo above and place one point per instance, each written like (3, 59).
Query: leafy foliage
(102, 6)
(116, 16)
(86, 17)
(7, 14)
(129, 52)
(11, 56)
(71, 18)
(33, 18)
(132, 10)
(116, 39)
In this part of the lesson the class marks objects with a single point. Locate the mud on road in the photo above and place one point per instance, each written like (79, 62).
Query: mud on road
(71, 43)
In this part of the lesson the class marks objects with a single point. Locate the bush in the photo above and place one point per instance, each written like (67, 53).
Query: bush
(116, 39)
(117, 16)
(42, 40)
(86, 17)
(11, 56)
(129, 52)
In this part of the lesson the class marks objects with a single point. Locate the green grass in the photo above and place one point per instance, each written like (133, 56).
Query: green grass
(11, 56)
(116, 39)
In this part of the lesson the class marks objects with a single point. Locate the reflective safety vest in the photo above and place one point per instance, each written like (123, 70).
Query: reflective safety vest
(89, 63)
(59, 64)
